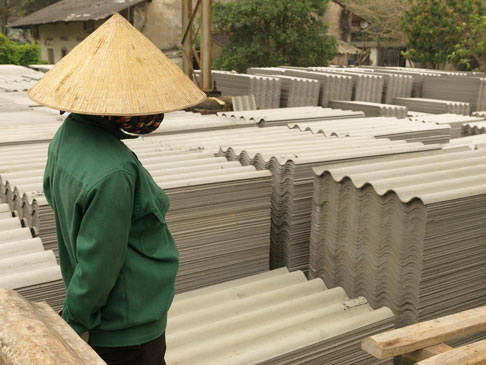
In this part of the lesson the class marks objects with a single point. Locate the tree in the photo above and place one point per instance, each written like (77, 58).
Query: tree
(383, 17)
(430, 26)
(266, 33)
(472, 27)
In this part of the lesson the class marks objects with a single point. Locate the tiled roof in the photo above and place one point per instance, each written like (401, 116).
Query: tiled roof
(73, 10)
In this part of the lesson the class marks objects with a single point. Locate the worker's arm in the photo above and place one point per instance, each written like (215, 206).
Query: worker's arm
(101, 248)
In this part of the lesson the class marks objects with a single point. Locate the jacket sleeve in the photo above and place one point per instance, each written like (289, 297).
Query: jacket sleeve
(101, 248)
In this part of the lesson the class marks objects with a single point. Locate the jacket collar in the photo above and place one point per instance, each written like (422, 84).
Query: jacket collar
(103, 123)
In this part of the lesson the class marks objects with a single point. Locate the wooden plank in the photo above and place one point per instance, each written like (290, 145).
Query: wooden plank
(187, 43)
(205, 44)
(426, 334)
(473, 354)
(32, 333)
(191, 20)
(428, 352)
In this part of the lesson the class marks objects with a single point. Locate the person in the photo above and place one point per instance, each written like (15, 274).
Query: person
(117, 256)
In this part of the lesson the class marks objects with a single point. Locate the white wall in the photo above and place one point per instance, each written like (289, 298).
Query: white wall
(161, 22)
(60, 35)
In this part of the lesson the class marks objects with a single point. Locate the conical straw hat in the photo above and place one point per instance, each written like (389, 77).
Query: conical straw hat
(116, 71)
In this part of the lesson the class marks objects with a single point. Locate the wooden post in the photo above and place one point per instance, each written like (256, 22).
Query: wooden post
(187, 54)
(206, 61)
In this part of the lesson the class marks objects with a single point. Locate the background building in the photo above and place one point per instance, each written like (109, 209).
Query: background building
(59, 27)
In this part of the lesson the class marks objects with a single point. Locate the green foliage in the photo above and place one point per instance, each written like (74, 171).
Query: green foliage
(13, 53)
(266, 33)
(27, 54)
(431, 31)
(445, 30)
(472, 48)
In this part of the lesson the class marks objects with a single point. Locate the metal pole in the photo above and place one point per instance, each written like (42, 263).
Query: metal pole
(206, 61)
(187, 41)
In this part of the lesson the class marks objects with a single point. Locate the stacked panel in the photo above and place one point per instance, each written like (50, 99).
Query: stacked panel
(371, 109)
(280, 117)
(298, 91)
(473, 142)
(471, 129)
(291, 166)
(186, 122)
(434, 106)
(391, 128)
(17, 78)
(274, 318)
(25, 266)
(367, 86)
(245, 102)
(469, 90)
(265, 89)
(406, 232)
(332, 86)
(456, 122)
(219, 216)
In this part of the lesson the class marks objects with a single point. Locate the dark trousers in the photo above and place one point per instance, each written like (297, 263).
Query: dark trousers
(150, 353)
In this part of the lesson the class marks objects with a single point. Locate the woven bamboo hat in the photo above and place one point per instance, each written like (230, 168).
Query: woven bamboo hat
(116, 71)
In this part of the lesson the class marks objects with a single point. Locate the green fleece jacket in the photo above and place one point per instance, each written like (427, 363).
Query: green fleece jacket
(117, 256)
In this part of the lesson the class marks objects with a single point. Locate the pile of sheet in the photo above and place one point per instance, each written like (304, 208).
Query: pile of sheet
(265, 89)
(407, 232)
(332, 86)
(280, 117)
(471, 129)
(434, 106)
(219, 216)
(274, 318)
(391, 128)
(456, 122)
(371, 109)
(291, 165)
(25, 266)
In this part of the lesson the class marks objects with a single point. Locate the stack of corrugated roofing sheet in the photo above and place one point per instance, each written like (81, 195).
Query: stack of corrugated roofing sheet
(332, 86)
(406, 232)
(280, 117)
(371, 109)
(367, 86)
(297, 91)
(274, 318)
(244, 102)
(265, 89)
(391, 128)
(473, 142)
(179, 122)
(417, 74)
(289, 154)
(396, 86)
(25, 266)
(28, 126)
(471, 90)
(219, 216)
(455, 121)
(471, 129)
(434, 106)
(17, 78)
(291, 165)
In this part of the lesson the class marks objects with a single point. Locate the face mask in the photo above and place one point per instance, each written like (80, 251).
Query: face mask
(143, 124)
